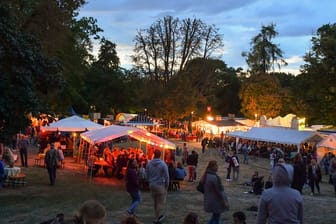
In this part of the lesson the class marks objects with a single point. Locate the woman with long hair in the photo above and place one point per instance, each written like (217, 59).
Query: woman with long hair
(215, 199)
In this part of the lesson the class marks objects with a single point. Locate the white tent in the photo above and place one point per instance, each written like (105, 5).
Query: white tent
(115, 131)
(325, 146)
(72, 124)
(278, 135)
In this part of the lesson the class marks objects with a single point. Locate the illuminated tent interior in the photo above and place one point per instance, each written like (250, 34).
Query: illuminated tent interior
(115, 131)
(327, 145)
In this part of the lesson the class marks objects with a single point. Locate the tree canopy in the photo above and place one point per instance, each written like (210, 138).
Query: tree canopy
(318, 78)
(264, 54)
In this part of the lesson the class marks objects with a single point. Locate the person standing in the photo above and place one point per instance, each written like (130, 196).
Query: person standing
(314, 176)
(23, 147)
(228, 165)
(245, 150)
(215, 199)
(51, 160)
(281, 203)
(299, 177)
(192, 161)
(204, 142)
(184, 154)
(133, 186)
(235, 167)
(158, 178)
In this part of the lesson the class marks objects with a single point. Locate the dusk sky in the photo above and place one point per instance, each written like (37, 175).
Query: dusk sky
(238, 20)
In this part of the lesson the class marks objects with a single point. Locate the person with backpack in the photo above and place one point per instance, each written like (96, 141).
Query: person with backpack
(235, 167)
(51, 160)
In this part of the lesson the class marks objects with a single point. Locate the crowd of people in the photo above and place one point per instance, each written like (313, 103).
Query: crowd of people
(280, 202)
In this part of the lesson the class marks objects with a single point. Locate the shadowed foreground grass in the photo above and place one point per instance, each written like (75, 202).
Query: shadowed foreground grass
(37, 201)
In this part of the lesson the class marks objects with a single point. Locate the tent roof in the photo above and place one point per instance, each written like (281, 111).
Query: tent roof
(72, 124)
(220, 123)
(115, 131)
(329, 142)
(278, 135)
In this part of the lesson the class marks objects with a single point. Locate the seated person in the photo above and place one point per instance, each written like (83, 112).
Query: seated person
(180, 172)
(120, 163)
(253, 179)
(258, 185)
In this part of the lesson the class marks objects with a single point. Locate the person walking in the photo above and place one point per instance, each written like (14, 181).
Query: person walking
(51, 161)
(299, 176)
(23, 148)
(228, 165)
(192, 161)
(133, 186)
(235, 167)
(281, 203)
(158, 178)
(215, 199)
(184, 154)
(314, 176)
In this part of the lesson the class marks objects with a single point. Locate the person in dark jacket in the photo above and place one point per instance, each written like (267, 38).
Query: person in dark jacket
(299, 177)
(23, 147)
(133, 186)
(51, 160)
(314, 176)
(192, 161)
(215, 199)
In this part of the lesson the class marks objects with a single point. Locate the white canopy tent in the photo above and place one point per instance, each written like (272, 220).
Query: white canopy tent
(72, 124)
(115, 131)
(278, 135)
(325, 146)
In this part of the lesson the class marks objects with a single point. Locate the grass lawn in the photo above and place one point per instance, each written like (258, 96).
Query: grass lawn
(37, 201)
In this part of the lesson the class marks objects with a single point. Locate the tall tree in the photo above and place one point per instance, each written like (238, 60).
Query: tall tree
(64, 37)
(105, 86)
(202, 83)
(26, 76)
(264, 54)
(319, 76)
(162, 50)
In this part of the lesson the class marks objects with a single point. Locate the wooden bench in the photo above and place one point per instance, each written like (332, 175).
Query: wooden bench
(18, 180)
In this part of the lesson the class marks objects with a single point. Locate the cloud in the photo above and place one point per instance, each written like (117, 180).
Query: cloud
(238, 21)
